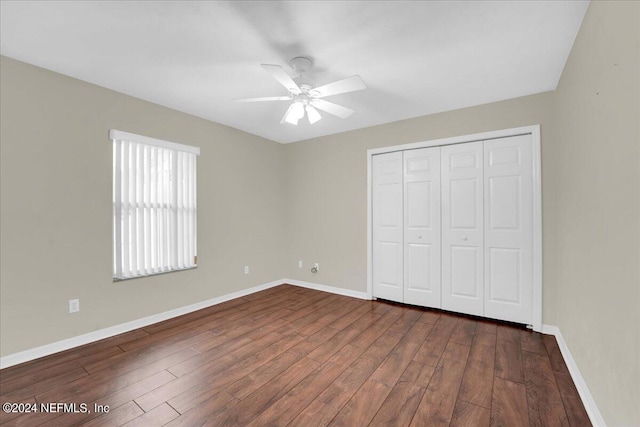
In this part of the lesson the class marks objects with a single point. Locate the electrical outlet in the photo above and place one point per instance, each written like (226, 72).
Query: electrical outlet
(246, 269)
(300, 264)
(74, 305)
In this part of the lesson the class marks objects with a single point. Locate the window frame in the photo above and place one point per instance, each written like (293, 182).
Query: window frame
(171, 212)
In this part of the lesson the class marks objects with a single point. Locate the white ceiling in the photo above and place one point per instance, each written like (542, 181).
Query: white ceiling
(417, 58)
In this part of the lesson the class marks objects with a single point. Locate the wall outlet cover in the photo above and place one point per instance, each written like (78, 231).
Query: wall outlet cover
(74, 305)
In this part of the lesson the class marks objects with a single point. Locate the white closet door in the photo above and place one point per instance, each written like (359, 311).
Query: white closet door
(387, 227)
(422, 227)
(462, 228)
(508, 209)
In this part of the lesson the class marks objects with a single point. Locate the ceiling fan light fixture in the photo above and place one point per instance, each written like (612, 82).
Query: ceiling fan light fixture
(295, 113)
(312, 114)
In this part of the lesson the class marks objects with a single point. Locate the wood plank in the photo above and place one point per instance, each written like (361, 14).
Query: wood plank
(82, 354)
(206, 386)
(43, 386)
(433, 346)
(213, 311)
(382, 307)
(127, 361)
(339, 392)
(419, 332)
(212, 358)
(316, 340)
(364, 321)
(406, 320)
(106, 382)
(172, 335)
(350, 317)
(334, 345)
(328, 315)
(464, 331)
(477, 381)
(576, 413)
(158, 416)
(116, 417)
(312, 317)
(466, 414)
(374, 331)
(402, 402)
(212, 407)
(532, 342)
(543, 396)
(114, 399)
(261, 376)
(261, 399)
(53, 374)
(555, 356)
(438, 401)
(363, 406)
(509, 404)
(250, 322)
(309, 305)
(285, 409)
(402, 354)
(430, 316)
(506, 332)
(228, 341)
(455, 351)
(509, 354)
(316, 414)
(487, 325)
(483, 347)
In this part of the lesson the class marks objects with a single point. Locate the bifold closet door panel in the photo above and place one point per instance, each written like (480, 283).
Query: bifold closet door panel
(462, 228)
(508, 209)
(388, 230)
(422, 227)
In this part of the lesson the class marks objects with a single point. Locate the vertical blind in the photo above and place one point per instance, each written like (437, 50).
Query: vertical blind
(154, 205)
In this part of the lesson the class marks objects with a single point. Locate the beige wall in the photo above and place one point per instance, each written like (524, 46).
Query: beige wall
(56, 168)
(598, 221)
(327, 189)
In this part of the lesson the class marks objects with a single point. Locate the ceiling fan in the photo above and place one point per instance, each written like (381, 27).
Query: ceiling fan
(306, 97)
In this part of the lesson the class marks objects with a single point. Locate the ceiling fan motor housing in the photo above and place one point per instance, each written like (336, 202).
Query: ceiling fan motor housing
(301, 64)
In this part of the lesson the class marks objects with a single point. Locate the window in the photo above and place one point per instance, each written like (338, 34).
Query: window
(154, 206)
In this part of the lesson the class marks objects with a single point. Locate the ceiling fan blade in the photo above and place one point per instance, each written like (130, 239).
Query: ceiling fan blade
(350, 84)
(331, 108)
(268, 98)
(281, 76)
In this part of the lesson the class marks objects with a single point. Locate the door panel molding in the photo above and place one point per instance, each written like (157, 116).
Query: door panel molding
(422, 227)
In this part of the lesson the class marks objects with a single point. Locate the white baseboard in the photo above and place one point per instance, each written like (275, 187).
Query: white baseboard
(48, 349)
(327, 288)
(587, 399)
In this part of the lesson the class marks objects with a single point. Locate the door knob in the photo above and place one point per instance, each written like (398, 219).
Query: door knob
(464, 238)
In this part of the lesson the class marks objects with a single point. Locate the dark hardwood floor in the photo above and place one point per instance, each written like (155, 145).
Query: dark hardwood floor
(294, 356)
